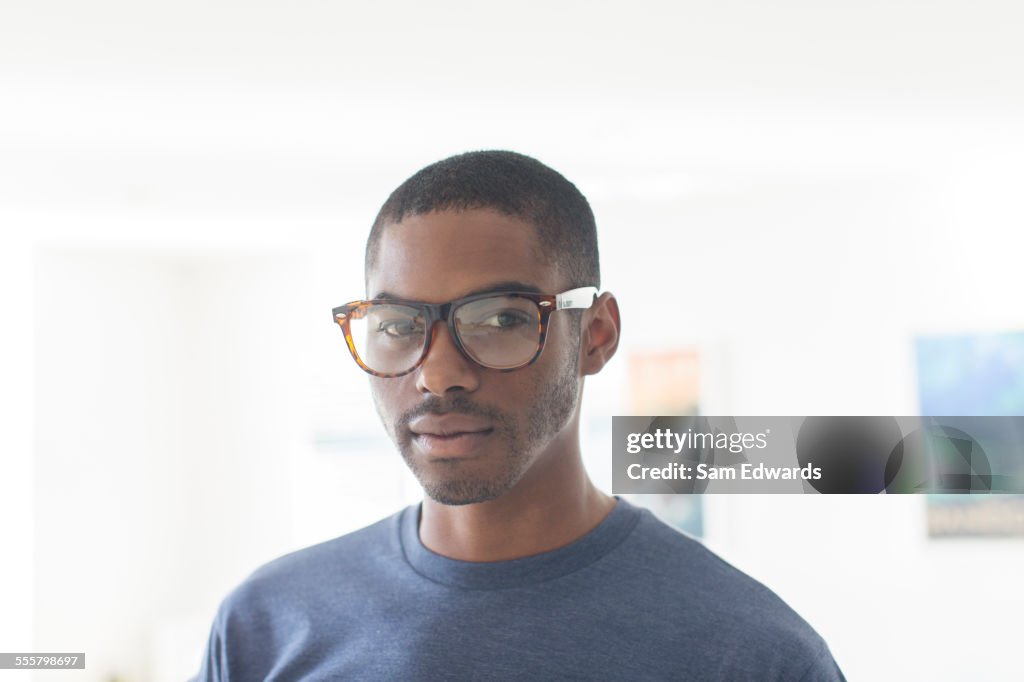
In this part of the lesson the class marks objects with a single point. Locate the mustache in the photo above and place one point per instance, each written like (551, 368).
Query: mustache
(459, 404)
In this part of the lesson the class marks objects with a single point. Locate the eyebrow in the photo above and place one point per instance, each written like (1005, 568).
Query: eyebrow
(496, 288)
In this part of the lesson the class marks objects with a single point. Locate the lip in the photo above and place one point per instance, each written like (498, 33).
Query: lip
(447, 425)
(455, 446)
(449, 435)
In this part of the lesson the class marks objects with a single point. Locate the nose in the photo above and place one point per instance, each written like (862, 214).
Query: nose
(445, 368)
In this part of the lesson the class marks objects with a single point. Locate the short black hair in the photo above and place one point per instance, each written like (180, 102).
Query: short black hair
(514, 184)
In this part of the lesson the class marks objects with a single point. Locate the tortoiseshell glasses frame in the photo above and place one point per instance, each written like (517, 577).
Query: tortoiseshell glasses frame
(431, 313)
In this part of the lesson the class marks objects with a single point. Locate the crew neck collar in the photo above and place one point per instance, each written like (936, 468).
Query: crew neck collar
(488, 575)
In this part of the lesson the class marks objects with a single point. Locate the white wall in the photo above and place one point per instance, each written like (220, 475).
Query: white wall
(165, 423)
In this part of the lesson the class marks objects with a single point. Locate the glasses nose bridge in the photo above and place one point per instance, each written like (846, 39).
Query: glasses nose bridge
(439, 313)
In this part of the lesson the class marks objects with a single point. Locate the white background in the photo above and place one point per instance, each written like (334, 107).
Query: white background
(796, 188)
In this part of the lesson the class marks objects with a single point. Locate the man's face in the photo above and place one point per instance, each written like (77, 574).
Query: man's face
(527, 414)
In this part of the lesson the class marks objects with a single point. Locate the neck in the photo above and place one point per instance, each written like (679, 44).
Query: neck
(553, 504)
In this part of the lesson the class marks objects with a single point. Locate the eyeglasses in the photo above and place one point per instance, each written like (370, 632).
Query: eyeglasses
(503, 331)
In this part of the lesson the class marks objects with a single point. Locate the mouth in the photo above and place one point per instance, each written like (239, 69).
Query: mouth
(462, 444)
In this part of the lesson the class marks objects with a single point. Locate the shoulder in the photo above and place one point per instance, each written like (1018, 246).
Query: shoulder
(333, 565)
(275, 609)
(709, 600)
(676, 562)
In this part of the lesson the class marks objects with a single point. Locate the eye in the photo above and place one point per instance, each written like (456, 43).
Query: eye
(400, 328)
(506, 319)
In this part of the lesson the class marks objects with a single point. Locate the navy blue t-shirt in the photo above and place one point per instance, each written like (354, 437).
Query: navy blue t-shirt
(633, 599)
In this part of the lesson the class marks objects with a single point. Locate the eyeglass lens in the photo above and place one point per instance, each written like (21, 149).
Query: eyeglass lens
(500, 332)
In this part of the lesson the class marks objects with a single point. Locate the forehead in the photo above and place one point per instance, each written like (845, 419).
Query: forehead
(444, 255)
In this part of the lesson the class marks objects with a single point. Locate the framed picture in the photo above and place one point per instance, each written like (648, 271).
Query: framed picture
(972, 375)
(666, 382)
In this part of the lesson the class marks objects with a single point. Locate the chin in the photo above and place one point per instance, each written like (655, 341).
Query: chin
(457, 492)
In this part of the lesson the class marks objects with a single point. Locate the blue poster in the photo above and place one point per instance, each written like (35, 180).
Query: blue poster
(972, 375)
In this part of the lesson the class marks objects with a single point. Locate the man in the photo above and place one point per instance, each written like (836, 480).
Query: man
(482, 320)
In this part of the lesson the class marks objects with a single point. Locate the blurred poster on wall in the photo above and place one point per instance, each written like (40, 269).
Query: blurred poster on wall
(972, 375)
(666, 382)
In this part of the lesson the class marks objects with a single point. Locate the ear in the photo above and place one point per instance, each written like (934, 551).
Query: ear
(599, 336)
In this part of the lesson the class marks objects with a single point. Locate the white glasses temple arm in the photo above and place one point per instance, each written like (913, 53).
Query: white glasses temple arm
(583, 297)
